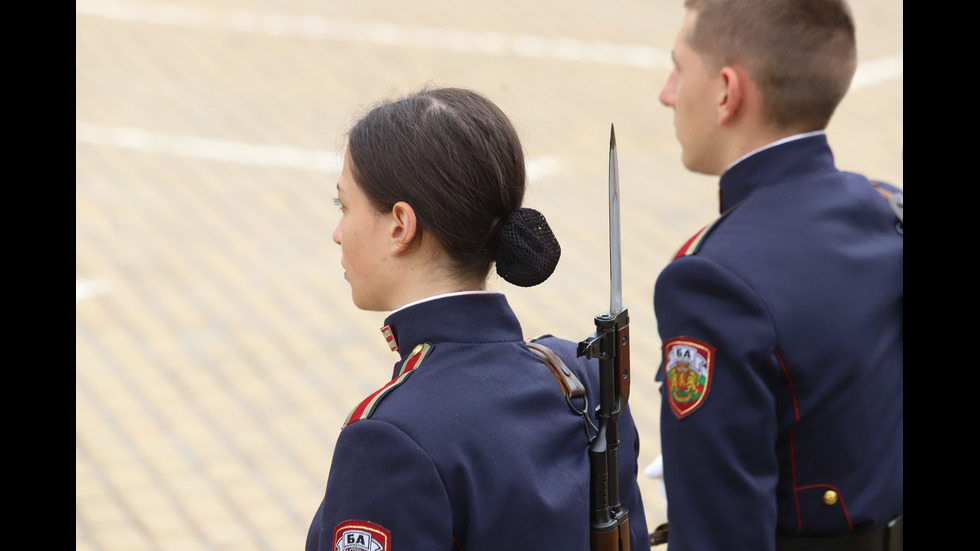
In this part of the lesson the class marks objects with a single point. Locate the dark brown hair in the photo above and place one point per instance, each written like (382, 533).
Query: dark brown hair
(800, 53)
(452, 155)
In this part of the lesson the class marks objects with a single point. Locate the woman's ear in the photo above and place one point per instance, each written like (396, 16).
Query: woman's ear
(404, 228)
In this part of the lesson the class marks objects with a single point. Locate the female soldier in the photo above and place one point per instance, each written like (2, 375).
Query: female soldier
(471, 445)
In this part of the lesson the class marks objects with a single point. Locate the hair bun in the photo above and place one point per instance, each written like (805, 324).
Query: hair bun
(528, 252)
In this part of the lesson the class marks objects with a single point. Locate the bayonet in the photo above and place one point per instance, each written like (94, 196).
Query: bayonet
(609, 518)
(615, 259)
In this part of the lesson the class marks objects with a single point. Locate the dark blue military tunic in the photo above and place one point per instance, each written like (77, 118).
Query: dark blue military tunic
(471, 445)
(783, 358)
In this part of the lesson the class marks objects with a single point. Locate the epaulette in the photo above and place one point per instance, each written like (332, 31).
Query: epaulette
(366, 408)
(896, 201)
(693, 245)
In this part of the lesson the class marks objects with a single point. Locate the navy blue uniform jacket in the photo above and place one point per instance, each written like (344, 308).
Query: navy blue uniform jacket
(783, 358)
(476, 449)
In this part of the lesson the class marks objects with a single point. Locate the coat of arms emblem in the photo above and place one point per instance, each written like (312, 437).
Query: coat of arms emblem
(687, 367)
(355, 535)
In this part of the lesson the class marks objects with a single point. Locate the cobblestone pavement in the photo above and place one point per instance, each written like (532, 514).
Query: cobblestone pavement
(216, 348)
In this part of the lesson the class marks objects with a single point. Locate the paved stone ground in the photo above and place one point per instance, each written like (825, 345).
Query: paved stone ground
(217, 351)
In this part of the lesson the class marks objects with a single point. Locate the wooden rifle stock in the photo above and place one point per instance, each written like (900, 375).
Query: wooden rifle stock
(609, 520)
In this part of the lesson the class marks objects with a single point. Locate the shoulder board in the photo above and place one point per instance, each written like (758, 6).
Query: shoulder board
(367, 406)
(693, 245)
(896, 201)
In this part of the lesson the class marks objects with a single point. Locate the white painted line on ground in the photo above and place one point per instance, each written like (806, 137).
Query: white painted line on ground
(86, 288)
(378, 33)
(275, 156)
(539, 168)
(879, 70)
(387, 34)
(125, 137)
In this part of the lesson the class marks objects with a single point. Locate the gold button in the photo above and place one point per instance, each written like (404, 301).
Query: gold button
(417, 349)
(830, 497)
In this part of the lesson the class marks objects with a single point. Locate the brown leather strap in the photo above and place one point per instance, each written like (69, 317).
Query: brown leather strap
(571, 386)
(659, 535)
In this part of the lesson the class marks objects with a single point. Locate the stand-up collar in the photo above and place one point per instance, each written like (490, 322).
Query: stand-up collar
(476, 318)
(773, 166)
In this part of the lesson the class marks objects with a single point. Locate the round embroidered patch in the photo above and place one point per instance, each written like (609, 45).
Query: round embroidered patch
(358, 535)
(688, 367)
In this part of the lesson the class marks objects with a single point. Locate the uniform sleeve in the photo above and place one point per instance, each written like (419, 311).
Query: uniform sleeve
(630, 492)
(383, 479)
(718, 421)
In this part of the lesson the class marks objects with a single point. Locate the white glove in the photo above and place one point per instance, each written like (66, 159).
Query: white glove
(655, 470)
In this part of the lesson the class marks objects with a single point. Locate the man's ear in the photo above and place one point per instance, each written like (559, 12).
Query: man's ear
(403, 229)
(731, 100)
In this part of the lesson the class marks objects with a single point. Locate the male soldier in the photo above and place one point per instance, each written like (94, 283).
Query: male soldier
(781, 323)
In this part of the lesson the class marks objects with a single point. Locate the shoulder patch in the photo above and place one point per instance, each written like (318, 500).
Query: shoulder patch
(688, 368)
(359, 535)
(367, 406)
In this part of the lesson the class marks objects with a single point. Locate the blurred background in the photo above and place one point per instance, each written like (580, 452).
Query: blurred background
(217, 352)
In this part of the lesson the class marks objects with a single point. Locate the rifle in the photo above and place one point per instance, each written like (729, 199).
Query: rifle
(609, 518)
